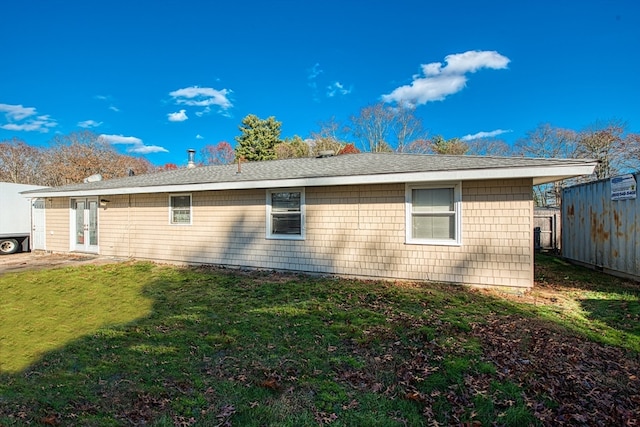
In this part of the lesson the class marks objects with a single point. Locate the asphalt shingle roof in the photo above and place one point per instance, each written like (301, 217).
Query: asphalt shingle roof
(364, 164)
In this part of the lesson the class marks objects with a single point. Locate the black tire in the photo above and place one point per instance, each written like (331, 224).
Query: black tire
(9, 246)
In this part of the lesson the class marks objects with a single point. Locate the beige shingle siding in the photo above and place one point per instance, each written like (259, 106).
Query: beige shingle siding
(57, 224)
(497, 224)
(114, 227)
(352, 230)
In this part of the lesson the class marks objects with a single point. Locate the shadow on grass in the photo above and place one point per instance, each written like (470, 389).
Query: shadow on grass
(264, 348)
(261, 348)
(556, 271)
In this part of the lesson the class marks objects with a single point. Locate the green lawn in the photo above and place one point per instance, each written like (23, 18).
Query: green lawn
(138, 343)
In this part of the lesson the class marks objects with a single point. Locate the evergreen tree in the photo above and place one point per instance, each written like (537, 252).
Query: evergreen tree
(258, 139)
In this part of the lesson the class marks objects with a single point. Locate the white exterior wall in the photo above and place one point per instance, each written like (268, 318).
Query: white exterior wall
(15, 209)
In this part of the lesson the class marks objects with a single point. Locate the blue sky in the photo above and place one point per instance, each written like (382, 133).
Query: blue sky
(159, 77)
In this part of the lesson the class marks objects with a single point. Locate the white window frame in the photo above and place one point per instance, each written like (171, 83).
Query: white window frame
(457, 213)
(171, 196)
(270, 234)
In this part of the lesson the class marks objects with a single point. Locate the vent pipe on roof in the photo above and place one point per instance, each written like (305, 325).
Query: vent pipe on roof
(326, 153)
(240, 159)
(93, 178)
(191, 154)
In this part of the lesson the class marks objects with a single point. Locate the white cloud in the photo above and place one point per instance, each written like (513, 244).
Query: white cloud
(473, 60)
(87, 124)
(21, 118)
(16, 112)
(135, 144)
(109, 99)
(439, 81)
(179, 116)
(485, 134)
(38, 125)
(337, 88)
(147, 149)
(314, 71)
(198, 136)
(206, 110)
(121, 139)
(202, 97)
(312, 75)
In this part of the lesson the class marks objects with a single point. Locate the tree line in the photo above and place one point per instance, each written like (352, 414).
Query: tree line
(68, 159)
(376, 128)
(382, 128)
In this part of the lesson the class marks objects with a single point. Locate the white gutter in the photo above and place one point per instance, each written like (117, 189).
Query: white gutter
(539, 174)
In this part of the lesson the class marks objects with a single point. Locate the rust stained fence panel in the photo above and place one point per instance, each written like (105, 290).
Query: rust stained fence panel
(600, 232)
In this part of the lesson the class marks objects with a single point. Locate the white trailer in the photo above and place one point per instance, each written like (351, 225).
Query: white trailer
(15, 217)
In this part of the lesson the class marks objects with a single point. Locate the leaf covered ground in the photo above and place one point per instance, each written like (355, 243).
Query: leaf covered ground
(203, 346)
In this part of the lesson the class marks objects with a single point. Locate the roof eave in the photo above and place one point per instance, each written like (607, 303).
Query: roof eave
(539, 175)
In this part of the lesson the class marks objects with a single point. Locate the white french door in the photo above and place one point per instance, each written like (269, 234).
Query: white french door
(84, 225)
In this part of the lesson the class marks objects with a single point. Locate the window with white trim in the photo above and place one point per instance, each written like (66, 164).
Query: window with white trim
(434, 214)
(180, 209)
(285, 214)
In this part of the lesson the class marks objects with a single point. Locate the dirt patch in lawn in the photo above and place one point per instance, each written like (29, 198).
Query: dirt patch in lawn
(42, 260)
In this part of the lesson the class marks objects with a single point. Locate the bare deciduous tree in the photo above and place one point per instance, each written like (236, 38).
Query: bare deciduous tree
(453, 146)
(419, 146)
(407, 127)
(548, 142)
(292, 148)
(327, 138)
(373, 127)
(219, 154)
(489, 147)
(19, 162)
(330, 129)
(632, 148)
(72, 158)
(320, 144)
(610, 144)
(380, 128)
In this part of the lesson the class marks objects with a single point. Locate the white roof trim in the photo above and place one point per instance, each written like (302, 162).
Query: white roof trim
(539, 174)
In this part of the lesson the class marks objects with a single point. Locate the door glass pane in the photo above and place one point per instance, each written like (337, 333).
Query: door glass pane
(93, 222)
(79, 223)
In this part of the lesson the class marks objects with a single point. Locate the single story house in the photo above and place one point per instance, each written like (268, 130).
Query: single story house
(460, 219)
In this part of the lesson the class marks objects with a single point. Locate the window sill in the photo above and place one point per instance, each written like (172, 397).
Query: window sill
(433, 242)
(285, 237)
